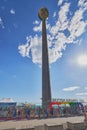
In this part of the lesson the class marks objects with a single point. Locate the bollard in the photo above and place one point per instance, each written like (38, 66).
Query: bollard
(75, 126)
(41, 127)
(54, 127)
(65, 126)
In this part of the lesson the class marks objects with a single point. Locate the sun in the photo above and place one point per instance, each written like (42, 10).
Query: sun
(82, 60)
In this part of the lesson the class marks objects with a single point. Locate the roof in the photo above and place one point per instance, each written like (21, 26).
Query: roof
(6, 100)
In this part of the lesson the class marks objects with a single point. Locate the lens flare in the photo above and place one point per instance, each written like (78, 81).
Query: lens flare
(82, 60)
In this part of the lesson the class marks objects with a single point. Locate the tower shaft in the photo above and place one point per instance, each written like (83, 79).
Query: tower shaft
(46, 88)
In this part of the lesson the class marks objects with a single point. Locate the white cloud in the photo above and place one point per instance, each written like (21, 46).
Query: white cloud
(85, 87)
(77, 25)
(38, 28)
(1, 23)
(33, 44)
(81, 94)
(36, 49)
(12, 11)
(24, 49)
(36, 22)
(71, 88)
(82, 3)
(63, 13)
(60, 2)
(57, 39)
(54, 14)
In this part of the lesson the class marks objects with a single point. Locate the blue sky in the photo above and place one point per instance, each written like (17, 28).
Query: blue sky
(20, 49)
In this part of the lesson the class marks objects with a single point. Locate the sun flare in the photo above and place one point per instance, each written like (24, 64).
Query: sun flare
(82, 60)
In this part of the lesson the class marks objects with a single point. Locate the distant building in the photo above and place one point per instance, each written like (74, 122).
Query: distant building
(7, 102)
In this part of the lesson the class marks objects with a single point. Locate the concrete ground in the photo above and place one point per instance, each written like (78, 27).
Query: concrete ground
(36, 122)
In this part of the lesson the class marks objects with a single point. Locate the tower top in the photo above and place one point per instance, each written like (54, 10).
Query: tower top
(43, 13)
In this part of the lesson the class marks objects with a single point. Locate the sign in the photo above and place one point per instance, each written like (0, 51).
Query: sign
(64, 100)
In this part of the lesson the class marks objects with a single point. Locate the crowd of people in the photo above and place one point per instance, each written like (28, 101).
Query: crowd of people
(38, 112)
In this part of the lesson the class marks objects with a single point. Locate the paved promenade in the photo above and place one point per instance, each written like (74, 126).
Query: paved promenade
(36, 122)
